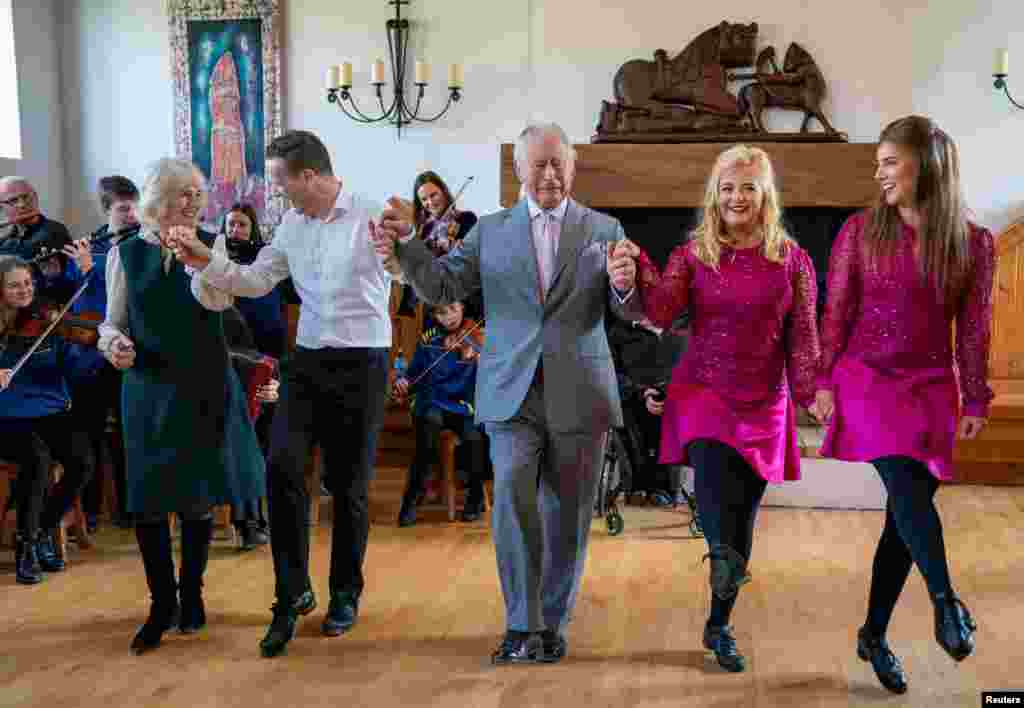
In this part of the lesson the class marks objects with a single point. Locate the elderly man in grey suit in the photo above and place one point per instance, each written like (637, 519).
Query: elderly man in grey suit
(546, 388)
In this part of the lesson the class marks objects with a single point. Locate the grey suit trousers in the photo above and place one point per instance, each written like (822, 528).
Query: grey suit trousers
(544, 492)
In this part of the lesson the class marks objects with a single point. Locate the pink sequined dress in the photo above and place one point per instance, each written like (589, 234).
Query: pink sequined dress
(888, 356)
(752, 330)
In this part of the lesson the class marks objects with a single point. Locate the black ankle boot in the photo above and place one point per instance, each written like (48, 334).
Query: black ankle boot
(887, 667)
(728, 571)
(155, 545)
(407, 514)
(954, 626)
(26, 563)
(721, 641)
(50, 557)
(195, 552)
(280, 631)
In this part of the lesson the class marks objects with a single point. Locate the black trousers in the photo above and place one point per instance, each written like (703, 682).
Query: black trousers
(728, 494)
(93, 399)
(428, 427)
(642, 440)
(26, 441)
(334, 398)
(912, 534)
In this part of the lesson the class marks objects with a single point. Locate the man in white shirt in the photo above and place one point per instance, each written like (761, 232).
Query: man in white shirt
(336, 381)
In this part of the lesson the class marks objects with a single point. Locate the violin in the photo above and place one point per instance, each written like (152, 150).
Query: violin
(81, 329)
(446, 230)
(467, 340)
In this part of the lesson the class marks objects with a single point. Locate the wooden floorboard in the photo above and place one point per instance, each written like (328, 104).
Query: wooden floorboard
(432, 613)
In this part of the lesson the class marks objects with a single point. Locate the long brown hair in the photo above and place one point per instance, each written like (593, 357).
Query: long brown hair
(8, 315)
(419, 211)
(944, 257)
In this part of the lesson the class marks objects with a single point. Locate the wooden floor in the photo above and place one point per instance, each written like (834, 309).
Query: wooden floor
(432, 613)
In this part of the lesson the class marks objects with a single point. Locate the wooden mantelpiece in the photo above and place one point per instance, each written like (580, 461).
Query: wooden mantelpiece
(616, 175)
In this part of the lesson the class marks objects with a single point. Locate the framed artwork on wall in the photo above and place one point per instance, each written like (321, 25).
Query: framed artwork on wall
(226, 68)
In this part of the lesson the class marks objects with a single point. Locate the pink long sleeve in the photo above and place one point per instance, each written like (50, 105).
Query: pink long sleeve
(803, 352)
(974, 326)
(665, 295)
(841, 307)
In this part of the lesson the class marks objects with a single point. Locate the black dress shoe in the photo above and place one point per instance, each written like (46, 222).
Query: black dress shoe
(250, 536)
(887, 667)
(161, 618)
(407, 514)
(721, 641)
(473, 510)
(26, 563)
(280, 631)
(193, 614)
(341, 614)
(518, 648)
(305, 603)
(555, 646)
(50, 558)
(954, 626)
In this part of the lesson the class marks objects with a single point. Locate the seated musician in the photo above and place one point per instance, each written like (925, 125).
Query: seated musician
(28, 234)
(442, 380)
(440, 228)
(34, 411)
(644, 357)
(96, 395)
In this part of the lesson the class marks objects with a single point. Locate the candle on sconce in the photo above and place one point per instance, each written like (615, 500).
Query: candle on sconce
(1002, 62)
(422, 72)
(455, 78)
(333, 77)
(346, 73)
(378, 72)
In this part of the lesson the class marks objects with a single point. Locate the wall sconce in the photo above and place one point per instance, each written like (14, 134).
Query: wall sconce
(399, 113)
(1001, 72)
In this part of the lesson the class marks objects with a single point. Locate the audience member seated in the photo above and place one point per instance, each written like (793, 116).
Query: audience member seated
(644, 356)
(34, 405)
(27, 233)
(441, 379)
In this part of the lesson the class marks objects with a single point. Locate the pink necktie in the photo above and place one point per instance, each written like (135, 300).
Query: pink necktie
(546, 253)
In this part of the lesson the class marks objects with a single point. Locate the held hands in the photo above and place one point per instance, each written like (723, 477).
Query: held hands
(654, 407)
(268, 393)
(121, 353)
(185, 244)
(970, 426)
(81, 253)
(823, 407)
(401, 387)
(622, 264)
(5, 378)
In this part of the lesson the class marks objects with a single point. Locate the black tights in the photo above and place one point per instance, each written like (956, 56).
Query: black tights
(912, 534)
(728, 493)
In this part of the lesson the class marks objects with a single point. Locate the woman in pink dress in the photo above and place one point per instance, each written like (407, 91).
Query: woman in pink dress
(899, 274)
(729, 412)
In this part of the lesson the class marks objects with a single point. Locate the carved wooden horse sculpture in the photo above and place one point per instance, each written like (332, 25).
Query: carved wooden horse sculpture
(800, 86)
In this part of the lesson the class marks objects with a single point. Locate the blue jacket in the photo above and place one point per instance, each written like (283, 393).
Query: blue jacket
(450, 385)
(263, 315)
(40, 388)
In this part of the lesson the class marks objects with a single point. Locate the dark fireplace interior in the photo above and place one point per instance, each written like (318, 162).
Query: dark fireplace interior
(658, 231)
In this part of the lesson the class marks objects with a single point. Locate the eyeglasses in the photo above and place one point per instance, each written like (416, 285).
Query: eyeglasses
(27, 198)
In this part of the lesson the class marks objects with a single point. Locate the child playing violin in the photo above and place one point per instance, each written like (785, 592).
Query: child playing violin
(35, 411)
(443, 370)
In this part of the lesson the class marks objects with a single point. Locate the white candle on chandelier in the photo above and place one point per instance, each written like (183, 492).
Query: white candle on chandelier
(333, 77)
(422, 72)
(455, 76)
(346, 73)
(378, 72)
(1002, 62)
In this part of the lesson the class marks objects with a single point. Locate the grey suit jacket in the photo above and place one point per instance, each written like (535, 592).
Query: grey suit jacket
(566, 330)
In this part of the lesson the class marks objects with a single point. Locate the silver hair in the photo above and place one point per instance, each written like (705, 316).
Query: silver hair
(533, 132)
(164, 179)
(6, 182)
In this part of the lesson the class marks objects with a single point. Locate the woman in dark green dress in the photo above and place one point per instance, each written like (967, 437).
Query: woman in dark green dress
(189, 444)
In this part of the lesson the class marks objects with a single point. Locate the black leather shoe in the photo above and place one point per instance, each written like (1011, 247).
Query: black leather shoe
(305, 603)
(954, 626)
(555, 646)
(193, 614)
(26, 563)
(250, 536)
(473, 509)
(887, 667)
(519, 648)
(341, 614)
(407, 514)
(161, 618)
(50, 558)
(721, 641)
(280, 631)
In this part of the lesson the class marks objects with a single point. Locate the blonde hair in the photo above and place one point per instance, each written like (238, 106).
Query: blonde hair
(9, 264)
(164, 180)
(710, 236)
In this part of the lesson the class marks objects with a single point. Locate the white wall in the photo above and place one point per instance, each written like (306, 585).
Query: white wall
(552, 59)
(39, 95)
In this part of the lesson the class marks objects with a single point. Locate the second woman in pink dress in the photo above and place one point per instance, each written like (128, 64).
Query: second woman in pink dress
(729, 412)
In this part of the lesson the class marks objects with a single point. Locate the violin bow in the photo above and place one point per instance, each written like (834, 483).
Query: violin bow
(456, 198)
(53, 325)
(447, 351)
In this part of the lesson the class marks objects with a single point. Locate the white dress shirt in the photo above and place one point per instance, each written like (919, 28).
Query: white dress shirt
(116, 322)
(343, 284)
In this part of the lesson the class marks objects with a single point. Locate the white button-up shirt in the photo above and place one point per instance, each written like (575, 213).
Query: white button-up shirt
(342, 282)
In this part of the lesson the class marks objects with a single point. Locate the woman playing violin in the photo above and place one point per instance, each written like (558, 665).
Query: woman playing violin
(35, 411)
